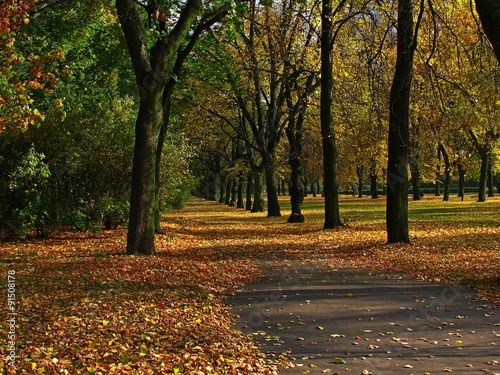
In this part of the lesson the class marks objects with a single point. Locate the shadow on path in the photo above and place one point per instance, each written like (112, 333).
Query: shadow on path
(348, 321)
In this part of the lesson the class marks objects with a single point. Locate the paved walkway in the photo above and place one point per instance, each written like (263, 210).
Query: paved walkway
(352, 322)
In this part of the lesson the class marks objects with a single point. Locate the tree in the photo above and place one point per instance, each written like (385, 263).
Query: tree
(332, 21)
(489, 13)
(23, 73)
(268, 77)
(399, 124)
(84, 123)
(156, 69)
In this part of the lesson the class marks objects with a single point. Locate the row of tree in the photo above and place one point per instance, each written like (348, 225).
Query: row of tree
(245, 82)
(442, 110)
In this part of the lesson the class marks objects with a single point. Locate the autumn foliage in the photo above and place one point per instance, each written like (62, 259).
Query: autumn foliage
(21, 72)
(84, 308)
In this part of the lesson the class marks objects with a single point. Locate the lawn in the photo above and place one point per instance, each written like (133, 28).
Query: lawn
(84, 308)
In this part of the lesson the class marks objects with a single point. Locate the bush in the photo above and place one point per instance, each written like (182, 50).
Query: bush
(28, 201)
(176, 179)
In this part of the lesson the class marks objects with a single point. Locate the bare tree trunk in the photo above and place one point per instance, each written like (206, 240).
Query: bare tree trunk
(399, 123)
(229, 186)
(258, 200)
(359, 172)
(415, 181)
(489, 13)
(373, 185)
(273, 206)
(447, 172)
(331, 193)
(461, 181)
(437, 183)
(239, 203)
(222, 189)
(248, 205)
(485, 160)
(491, 192)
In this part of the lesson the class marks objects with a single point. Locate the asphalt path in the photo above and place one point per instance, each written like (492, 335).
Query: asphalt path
(357, 322)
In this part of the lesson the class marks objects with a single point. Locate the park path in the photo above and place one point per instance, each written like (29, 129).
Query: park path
(327, 318)
(356, 322)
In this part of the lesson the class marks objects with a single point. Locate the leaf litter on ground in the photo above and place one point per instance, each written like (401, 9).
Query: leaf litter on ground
(84, 308)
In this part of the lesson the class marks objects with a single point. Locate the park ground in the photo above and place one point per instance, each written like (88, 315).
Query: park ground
(83, 308)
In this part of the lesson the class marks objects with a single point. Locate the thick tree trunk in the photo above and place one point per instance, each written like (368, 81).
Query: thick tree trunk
(151, 68)
(399, 121)
(248, 204)
(331, 193)
(258, 200)
(489, 13)
(143, 204)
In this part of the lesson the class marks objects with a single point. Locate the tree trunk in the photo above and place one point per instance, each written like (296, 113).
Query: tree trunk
(222, 190)
(437, 183)
(248, 205)
(461, 182)
(485, 160)
(143, 204)
(399, 121)
(229, 185)
(258, 200)
(384, 185)
(489, 13)
(151, 68)
(491, 192)
(167, 106)
(373, 185)
(331, 193)
(159, 151)
(447, 172)
(273, 206)
(234, 192)
(359, 172)
(296, 190)
(294, 135)
(415, 181)
(239, 204)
